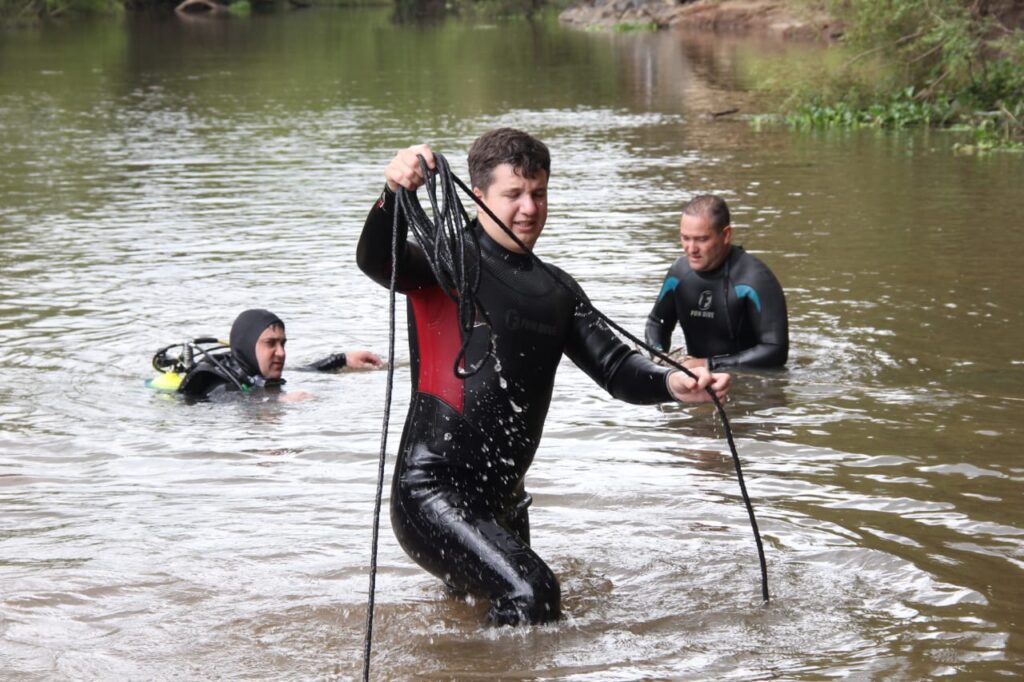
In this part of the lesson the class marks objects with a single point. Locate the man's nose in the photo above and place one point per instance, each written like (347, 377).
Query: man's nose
(528, 206)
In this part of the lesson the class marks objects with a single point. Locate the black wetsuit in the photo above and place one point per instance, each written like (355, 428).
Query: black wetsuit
(458, 502)
(733, 315)
(237, 368)
(223, 373)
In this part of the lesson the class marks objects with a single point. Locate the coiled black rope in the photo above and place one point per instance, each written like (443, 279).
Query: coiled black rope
(454, 259)
(455, 263)
(444, 241)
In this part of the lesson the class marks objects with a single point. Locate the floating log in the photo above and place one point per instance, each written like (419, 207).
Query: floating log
(194, 6)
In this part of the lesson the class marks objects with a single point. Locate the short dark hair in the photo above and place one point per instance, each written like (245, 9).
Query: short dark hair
(709, 206)
(527, 155)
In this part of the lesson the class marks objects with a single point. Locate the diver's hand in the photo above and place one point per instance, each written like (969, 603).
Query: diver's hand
(687, 390)
(362, 359)
(405, 169)
(295, 397)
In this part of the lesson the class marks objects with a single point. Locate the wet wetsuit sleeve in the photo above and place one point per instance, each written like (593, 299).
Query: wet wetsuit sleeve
(330, 363)
(662, 319)
(373, 255)
(616, 367)
(766, 312)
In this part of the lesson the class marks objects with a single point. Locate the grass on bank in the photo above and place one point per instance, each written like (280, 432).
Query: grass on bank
(906, 63)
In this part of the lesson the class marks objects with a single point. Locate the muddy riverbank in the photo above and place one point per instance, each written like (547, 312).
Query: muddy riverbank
(762, 17)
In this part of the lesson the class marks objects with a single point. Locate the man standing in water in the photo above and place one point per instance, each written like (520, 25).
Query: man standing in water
(729, 304)
(458, 502)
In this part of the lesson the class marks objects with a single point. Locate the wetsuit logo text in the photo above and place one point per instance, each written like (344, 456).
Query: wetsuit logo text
(514, 321)
(704, 305)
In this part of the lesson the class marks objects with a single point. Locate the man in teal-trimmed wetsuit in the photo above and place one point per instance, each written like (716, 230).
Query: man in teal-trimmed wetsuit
(729, 304)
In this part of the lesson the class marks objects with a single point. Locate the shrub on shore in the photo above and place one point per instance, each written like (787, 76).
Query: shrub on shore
(917, 62)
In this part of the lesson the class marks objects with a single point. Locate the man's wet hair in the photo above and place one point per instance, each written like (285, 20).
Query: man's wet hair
(709, 206)
(527, 155)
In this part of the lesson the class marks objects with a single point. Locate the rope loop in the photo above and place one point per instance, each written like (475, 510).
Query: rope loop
(453, 252)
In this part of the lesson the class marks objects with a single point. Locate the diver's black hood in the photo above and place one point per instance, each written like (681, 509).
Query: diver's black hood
(245, 332)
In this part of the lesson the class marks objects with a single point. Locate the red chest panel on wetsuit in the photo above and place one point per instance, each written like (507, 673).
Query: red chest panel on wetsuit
(437, 331)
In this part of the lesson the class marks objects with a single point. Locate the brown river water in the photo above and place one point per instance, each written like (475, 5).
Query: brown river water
(160, 175)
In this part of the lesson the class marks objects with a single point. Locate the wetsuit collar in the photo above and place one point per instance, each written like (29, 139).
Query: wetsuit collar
(723, 268)
(493, 249)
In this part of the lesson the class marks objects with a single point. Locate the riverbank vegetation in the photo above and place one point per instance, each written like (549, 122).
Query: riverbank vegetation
(13, 12)
(916, 63)
(18, 12)
(23, 11)
(899, 63)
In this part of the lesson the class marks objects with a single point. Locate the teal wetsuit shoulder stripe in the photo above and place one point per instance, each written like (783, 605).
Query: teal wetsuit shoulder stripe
(744, 291)
(670, 285)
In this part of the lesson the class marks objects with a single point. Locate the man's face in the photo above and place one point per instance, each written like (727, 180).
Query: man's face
(704, 246)
(270, 352)
(521, 203)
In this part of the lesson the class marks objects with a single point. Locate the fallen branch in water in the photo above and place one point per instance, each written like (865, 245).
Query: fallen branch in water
(191, 6)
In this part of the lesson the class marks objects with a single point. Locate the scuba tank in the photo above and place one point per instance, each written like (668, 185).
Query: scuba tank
(177, 361)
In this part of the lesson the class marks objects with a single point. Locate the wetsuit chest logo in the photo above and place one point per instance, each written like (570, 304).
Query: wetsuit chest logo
(514, 321)
(704, 306)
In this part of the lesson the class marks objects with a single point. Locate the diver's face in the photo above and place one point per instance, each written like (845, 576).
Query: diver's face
(270, 352)
(704, 246)
(520, 203)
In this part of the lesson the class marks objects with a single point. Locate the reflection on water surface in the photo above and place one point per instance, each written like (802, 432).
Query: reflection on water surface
(159, 176)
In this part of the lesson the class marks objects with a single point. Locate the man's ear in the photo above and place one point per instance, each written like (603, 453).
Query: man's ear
(727, 234)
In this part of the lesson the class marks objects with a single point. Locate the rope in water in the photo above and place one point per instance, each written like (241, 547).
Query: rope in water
(389, 386)
(444, 241)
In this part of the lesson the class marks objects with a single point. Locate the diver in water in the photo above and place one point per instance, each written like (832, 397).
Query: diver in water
(458, 501)
(253, 360)
(729, 304)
